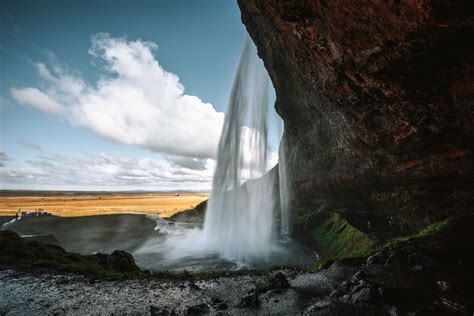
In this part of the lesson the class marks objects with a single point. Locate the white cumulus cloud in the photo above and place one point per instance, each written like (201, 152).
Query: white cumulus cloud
(36, 98)
(135, 102)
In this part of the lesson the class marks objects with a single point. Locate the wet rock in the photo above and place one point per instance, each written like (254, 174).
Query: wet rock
(276, 282)
(376, 258)
(222, 306)
(443, 285)
(452, 305)
(218, 304)
(393, 311)
(119, 260)
(193, 286)
(345, 285)
(334, 294)
(216, 301)
(279, 281)
(198, 309)
(360, 275)
(250, 301)
(159, 311)
(122, 261)
(380, 291)
(318, 306)
(359, 285)
(362, 296)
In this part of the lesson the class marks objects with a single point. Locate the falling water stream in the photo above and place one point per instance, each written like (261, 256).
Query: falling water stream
(239, 219)
(240, 227)
(284, 191)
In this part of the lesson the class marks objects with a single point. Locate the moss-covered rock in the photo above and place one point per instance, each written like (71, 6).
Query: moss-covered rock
(429, 230)
(194, 215)
(15, 251)
(339, 239)
(275, 282)
(334, 237)
(119, 260)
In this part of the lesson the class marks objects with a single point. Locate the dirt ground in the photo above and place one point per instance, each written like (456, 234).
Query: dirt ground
(162, 204)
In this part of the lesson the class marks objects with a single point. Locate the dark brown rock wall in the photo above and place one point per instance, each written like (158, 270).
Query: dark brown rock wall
(377, 99)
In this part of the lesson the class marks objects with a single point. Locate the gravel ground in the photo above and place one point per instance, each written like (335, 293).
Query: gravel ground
(26, 293)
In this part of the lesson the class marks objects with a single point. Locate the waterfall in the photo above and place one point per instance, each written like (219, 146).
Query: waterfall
(240, 224)
(283, 188)
(239, 218)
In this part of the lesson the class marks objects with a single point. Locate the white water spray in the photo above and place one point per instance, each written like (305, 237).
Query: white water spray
(284, 192)
(239, 219)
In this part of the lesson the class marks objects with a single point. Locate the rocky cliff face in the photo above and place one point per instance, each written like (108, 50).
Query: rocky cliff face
(377, 99)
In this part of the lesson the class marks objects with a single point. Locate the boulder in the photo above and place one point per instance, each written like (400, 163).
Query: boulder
(250, 301)
(199, 309)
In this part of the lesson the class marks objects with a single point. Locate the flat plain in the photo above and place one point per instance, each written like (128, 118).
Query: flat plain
(72, 205)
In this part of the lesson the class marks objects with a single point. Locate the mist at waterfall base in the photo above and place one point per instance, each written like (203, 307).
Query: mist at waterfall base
(247, 220)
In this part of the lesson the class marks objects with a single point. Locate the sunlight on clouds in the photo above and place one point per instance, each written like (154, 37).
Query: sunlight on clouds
(135, 102)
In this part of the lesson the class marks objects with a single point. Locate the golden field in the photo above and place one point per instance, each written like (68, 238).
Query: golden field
(86, 205)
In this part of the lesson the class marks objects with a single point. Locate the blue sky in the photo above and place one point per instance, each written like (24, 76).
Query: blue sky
(53, 138)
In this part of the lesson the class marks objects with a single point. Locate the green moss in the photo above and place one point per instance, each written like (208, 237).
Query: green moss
(427, 231)
(16, 251)
(322, 264)
(307, 220)
(340, 239)
(366, 247)
(278, 281)
(334, 237)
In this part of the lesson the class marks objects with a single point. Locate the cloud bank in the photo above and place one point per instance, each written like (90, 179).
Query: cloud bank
(106, 171)
(135, 102)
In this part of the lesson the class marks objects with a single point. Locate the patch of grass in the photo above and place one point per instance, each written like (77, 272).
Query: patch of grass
(103, 204)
